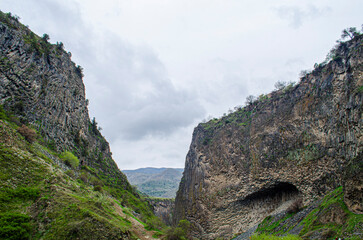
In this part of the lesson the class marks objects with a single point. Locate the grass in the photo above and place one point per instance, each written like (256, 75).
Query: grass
(330, 219)
(333, 202)
(14, 226)
(272, 237)
(268, 225)
(48, 203)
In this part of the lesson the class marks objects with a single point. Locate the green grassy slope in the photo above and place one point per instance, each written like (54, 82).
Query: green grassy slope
(41, 200)
(330, 218)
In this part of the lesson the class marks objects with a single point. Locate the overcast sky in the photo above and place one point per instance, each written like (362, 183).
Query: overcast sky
(154, 69)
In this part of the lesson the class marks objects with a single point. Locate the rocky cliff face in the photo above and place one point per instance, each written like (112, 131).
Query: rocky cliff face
(163, 208)
(292, 143)
(40, 83)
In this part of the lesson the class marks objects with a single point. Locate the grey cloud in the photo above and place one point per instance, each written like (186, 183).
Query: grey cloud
(132, 91)
(297, 15)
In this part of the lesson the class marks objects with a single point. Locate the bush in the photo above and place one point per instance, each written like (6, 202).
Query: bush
(180, 232)
(272, 237)
(28, 133)
(98, 188)
(14, 226)
(70, 159)
(3, 114)
(295, 207)
(84, 177)
(20, 193)
(70, 173)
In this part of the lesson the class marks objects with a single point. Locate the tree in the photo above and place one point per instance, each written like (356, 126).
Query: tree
(250, 99)
(349, 32)
(279, 85)
(45, 37)
(79, 71)
(70, 159)
(180, 232)
(303, 73)
(60, 45)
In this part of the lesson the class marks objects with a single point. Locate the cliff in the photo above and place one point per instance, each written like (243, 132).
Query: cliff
(40, 84)
(294, 143)
(163, 208)
(44, 126)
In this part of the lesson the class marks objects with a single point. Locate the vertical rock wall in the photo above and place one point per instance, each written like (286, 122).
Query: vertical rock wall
(300, 137)
(40, 83)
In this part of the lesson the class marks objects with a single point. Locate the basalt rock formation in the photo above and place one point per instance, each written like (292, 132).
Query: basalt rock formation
(44, 126)
(163, 208)
(40, 83)
(294, 143)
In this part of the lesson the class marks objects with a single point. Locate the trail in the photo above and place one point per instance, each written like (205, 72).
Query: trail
(137, 227)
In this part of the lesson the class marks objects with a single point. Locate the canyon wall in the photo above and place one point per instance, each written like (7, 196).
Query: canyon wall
(293, 143)
(41, 85)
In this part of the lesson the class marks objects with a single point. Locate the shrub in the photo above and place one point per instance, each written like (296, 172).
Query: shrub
(180, 232)
(20, 193)
(70, 173)
(84, 177)
(45, 37)
(295, 207)
(272, 237)
(3, 114)
(70, 159)
(28, 133)
(98, 188)
(14, 226)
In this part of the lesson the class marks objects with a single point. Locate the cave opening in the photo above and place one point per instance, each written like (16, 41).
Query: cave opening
(278, 191)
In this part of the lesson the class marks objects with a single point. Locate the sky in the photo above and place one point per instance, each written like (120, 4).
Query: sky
(154, 69)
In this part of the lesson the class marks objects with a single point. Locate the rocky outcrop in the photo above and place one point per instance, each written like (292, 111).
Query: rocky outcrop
(353, 184)
(292, 143)
(163, 208)
(41, 85)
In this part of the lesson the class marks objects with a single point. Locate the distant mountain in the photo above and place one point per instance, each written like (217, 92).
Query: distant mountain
(156, 182)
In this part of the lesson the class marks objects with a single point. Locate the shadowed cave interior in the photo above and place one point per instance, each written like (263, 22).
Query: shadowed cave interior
(281, 191)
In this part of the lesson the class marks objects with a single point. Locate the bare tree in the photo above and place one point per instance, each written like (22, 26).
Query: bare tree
(279, 85)
(349, 32)
(250, 99)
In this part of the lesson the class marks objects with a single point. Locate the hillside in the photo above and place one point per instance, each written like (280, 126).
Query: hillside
(296, 144)
(155, 182)
(58, 179)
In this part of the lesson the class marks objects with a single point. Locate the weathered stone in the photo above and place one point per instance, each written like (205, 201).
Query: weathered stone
(291, 143)
(40, 83)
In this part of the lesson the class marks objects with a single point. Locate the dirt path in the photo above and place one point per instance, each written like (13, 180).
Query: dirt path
(137, 227)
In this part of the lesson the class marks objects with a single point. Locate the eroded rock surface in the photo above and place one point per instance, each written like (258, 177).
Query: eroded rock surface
(40, 83)
(292, 143)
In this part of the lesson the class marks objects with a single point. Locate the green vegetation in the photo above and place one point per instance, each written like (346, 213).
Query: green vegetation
(304, 155)
(70, 159)
(40, 201)
(333, 216)
(269, 224)
(330, 219)
(271, 237)
(14, 226)
(179, 232)
(10, 20)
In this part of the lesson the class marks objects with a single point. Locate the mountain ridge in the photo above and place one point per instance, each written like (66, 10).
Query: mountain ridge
(155, 182)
